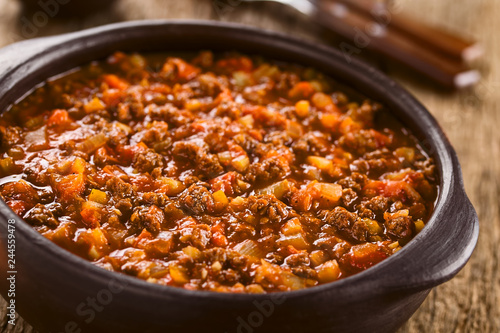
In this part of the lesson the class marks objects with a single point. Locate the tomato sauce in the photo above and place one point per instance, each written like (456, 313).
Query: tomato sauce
(225, 173)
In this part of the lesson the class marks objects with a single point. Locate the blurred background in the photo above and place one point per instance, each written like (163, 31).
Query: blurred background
(470, 117)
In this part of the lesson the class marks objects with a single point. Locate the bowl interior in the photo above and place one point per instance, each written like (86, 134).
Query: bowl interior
(55, 55)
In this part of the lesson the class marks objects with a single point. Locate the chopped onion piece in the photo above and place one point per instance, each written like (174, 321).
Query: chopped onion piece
(292, 227)
(37, 140)
(92, 143)
(298, 241)
(278, 189)
(249, 248)
(318, 257)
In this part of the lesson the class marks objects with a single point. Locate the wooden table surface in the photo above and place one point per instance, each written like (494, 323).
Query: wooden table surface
(471, 118)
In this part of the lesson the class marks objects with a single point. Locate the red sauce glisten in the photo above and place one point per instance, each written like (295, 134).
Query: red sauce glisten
(228, 174)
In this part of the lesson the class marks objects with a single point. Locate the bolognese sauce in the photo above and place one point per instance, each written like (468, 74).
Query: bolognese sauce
(225, 173)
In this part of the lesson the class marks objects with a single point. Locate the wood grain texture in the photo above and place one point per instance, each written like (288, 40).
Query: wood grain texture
(471, 118)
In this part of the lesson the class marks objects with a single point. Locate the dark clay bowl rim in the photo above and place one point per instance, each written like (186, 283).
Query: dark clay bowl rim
(392, 274)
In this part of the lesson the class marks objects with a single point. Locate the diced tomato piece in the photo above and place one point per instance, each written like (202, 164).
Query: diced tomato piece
(105, 156)
(144, 182)
(160, 88)
(58, 118)
(290, 249)
(224, 183)
(381, 140)
(20, 190)
(18, 206)
(244, 64)
(127, 153)
(302, 90)
(224, 96)
(20, 196)
(91, 214)
(113, 171)
(418, 181)
(144, 235)
(218, 239)
(218, 227)
(112, 97)
(348, 125)
(183, 70)
(302, 200)
(200, 126)
(364, 256)
(256, 134)
(263, 115)
(115, 82)
(392, 189)
(93, 243)
(71, 186)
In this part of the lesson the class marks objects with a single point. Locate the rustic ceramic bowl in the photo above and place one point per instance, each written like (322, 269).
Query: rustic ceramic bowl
(57, 291)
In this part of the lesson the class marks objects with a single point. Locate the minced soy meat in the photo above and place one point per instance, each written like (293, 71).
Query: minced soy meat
(224, 173)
